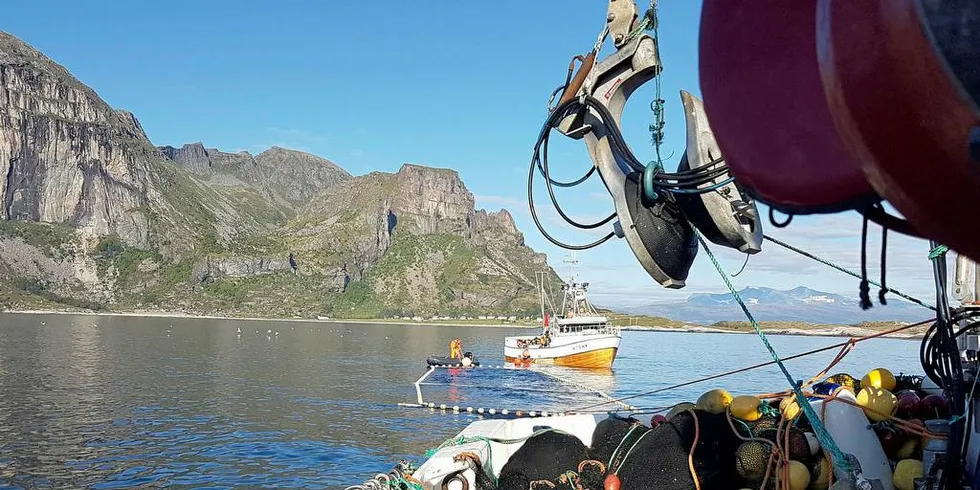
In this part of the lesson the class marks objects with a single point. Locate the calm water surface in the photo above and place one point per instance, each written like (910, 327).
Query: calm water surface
(120, 402)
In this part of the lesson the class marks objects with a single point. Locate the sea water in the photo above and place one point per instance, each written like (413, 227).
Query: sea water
(120, 402)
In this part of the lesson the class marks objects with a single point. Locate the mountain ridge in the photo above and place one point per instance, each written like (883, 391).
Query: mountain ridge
(96, 216)
(799, 304)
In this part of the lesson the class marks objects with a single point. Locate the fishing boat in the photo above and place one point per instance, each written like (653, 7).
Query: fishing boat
(577, 337)
(809, 131)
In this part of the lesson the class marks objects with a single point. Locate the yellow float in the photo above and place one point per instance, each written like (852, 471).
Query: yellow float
(879, 378)
(715, 401)
(878, 403)
(906, 471)
(799, 476)
(746, 407)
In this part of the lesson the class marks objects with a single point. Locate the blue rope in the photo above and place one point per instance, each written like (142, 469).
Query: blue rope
(826, 441)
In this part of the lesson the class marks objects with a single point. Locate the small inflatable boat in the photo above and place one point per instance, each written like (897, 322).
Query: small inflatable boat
(449, 361)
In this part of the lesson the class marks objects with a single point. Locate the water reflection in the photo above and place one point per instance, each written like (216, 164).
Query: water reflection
(111, 402)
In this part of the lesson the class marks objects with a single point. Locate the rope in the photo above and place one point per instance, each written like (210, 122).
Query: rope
(938, 252)
(399, 478)
(600, 393)
(865, 290)
(657, 105)
(694, 445)
(612, 458)
(760, 365)
(845, 271)
(819, 429)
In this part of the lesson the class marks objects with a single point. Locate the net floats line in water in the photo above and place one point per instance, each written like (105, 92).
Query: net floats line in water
(484, 411)
(421, 403)
(471, 366)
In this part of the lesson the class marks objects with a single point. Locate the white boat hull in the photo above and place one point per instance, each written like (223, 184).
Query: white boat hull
(596, 350)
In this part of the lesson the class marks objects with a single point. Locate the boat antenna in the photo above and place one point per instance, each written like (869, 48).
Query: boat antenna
(572, 260)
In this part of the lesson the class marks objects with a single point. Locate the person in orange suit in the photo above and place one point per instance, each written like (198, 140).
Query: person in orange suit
(456, 349)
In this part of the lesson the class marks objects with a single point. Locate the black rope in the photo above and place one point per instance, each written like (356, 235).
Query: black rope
(877, 214)
(865, 290)
(687, 180)
(553, 118)
(743, 266)
(882, 288)
(772, 219)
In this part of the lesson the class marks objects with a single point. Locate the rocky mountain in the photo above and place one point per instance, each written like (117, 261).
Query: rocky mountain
(94, 215)
(799, 304)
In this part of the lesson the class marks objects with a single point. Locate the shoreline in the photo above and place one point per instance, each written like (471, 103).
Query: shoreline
(188, 316)
(840, 331)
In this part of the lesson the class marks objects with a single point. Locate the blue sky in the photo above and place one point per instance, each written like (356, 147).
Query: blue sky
(372, 85)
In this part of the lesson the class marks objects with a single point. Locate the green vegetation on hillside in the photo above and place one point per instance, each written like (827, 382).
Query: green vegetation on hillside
(50, 239)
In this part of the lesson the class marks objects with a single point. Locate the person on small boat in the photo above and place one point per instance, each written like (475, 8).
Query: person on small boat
(456, 349)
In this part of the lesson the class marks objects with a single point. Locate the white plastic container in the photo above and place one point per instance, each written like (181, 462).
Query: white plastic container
(437, 468)
(852, 432)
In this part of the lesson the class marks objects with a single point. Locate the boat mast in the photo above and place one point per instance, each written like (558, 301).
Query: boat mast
(539, 277)
(571, 259)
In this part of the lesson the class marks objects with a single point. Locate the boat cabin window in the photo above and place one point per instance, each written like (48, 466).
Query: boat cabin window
(580, 328)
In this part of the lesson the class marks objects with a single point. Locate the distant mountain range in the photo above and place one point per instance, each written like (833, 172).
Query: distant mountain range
(799, 304)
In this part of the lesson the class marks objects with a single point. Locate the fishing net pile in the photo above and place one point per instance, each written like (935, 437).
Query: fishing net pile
(725, 442)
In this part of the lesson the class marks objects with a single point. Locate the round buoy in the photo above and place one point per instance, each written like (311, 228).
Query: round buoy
(765, 100)
(789, 408)
(466, 362)
(820, 476)
(845, 380)
(894, 114)
(746, 407)
(612, 482)
(656, 420)
(879, 378)
(878, 403)
(907, 449)
(715, 401)
(799, 476)
(906, 471)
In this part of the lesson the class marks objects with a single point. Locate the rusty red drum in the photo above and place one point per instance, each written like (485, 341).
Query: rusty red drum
(902, 79)
(766, 105)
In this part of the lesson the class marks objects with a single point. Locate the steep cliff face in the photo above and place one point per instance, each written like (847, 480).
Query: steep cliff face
(413, 242)
(92, 213)
(65, 155)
